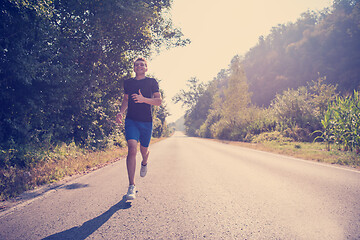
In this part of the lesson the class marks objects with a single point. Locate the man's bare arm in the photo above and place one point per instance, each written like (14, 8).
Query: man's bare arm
(124, 106)
(155, 100)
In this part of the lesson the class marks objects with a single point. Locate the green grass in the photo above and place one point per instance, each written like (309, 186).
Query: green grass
(61, 162)
(15, 180)
(308, 151)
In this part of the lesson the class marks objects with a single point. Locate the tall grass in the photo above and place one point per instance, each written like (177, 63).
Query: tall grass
(341, 123)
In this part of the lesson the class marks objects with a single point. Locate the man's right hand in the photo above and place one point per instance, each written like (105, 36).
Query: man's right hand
(119, 118)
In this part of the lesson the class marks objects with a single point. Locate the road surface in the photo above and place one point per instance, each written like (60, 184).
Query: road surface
(197, 189)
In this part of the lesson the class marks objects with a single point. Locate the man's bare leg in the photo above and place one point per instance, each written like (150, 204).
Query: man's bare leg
(145, 154)
(131, 160)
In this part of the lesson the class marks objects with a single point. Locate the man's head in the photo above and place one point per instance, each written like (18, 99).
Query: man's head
(140, 66)
(140, 60)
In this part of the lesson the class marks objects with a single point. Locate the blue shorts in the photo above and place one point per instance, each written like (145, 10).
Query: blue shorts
(139, 131)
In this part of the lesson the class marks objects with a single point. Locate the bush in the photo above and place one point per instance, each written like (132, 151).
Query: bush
(294, 108)
(206, 128)
(222, 129)
(274, 136)
(299, 134)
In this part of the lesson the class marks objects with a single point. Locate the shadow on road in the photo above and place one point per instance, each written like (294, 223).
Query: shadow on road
(89, 227)
(76, 186)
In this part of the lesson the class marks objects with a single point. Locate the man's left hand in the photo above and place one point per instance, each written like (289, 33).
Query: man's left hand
(138, 98)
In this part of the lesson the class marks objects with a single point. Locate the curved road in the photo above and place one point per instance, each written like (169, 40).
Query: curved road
(197, 189)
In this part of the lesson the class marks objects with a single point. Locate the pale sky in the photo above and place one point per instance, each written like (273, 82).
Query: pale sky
(218, 30)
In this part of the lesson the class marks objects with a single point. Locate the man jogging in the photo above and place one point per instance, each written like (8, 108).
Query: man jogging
(139, 94)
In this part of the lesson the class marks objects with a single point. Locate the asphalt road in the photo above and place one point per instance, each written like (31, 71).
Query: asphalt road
(197, 189)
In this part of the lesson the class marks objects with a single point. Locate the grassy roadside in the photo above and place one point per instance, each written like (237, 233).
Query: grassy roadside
(73, 162)
(66, 161)
(307, 151)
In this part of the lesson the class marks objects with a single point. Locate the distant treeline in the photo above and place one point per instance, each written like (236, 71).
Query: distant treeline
(325, 43)
(62, 66)
(286, 83)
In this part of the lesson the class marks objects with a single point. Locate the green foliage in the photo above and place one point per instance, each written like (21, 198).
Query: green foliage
(222, 110)
(236, 95)
(160, 113)
(231, 116)
(278, 70)
(299, 111)
(341, 123)
(273, 136)
(195, 99)
(13, 181)
(325, 43)
(209, 127)
(190, 97)
(326, 133)
(292, 108)
(57, 162)
(62, 64)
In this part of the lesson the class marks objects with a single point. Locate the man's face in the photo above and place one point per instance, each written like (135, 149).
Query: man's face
(140, 67)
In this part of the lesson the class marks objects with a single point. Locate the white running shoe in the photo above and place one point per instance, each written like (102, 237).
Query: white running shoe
(131, 194)
(143, 170)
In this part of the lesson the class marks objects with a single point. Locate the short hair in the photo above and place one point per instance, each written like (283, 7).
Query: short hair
(141, 59)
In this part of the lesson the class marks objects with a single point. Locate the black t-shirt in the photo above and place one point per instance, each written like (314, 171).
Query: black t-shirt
(140, 111)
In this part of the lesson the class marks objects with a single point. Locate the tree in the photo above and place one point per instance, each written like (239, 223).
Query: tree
(190, 97)
(62, 64)
(194, 100)
(160, 113)
(236, 95)
(293, 54)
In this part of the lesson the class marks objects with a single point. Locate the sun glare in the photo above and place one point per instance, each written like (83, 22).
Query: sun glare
(219, 30)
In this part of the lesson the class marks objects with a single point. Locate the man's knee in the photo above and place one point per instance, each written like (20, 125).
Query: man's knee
(132, 147)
